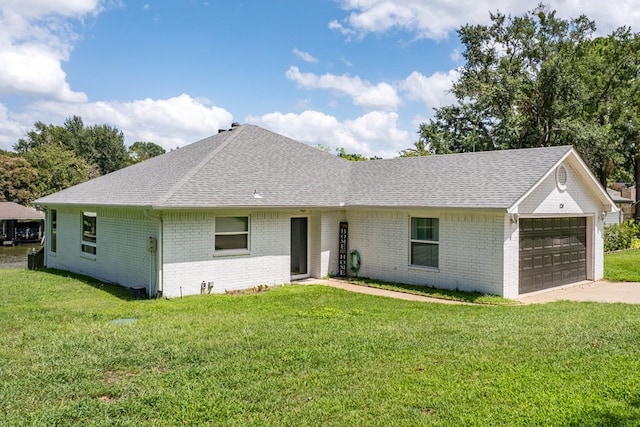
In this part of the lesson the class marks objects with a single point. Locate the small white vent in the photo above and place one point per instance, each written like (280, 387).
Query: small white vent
(561, 177)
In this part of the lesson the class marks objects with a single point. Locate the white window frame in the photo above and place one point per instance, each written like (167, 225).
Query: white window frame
(88, 243)
(429, 242)
(234, 251)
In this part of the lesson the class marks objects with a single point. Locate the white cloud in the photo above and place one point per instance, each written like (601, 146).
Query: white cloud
(373, 134)
(36, 37)
(35, 70)
(11, 128)
(346, 62)
(305, 56)
(381, 96)
(40, 8)
(171, 122)
(455, 56)
(435, 19)
(433, 90)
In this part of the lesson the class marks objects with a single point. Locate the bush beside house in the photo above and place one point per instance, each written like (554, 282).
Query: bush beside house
(623, 236)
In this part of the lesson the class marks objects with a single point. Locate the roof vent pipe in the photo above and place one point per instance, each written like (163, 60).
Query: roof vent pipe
(235, 125)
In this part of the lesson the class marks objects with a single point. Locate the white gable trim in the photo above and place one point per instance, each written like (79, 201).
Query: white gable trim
(583, 170)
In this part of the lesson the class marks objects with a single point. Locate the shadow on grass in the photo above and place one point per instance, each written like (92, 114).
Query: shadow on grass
(455, 295)
(117, 291)
(607, 418)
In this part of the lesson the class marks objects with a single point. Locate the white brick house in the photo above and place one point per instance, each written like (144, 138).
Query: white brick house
(248, 207)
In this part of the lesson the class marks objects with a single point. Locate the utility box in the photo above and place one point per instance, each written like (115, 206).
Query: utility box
(152, 244)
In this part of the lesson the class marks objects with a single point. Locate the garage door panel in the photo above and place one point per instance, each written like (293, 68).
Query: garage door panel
(552, 252)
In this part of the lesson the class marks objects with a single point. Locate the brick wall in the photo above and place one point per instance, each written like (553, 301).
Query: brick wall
(121, 244)
(470, 248)
(189, 253)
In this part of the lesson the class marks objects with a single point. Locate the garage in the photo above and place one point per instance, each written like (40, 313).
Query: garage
(553, 252)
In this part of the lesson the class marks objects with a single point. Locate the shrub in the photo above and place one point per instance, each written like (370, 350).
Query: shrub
(623, 236)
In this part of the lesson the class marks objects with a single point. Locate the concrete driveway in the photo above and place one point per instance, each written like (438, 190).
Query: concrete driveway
(600, 291)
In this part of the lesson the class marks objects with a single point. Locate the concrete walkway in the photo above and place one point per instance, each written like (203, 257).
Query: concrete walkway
(342, 284)
(600, 291)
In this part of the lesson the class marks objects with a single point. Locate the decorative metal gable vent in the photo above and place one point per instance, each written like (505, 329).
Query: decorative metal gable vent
(561, 177)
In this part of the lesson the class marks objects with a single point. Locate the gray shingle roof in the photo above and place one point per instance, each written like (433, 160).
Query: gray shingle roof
(223, 170)
(226, 169)
(489, 179)
(10, 210)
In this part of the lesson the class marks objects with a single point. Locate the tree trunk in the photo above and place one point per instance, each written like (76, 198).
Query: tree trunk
(603, 177)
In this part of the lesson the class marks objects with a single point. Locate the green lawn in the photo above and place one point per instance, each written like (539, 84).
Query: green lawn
(622, 266)
(308, 356)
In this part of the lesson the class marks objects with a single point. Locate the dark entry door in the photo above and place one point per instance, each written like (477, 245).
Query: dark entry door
(553, 252)
(299, 248)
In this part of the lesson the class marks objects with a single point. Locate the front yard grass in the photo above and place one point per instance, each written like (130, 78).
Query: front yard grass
(307, 355)
(622, 266)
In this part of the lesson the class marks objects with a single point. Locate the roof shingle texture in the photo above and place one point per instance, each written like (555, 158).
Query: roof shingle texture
(489, 179)
(10, 210)
(225, 170)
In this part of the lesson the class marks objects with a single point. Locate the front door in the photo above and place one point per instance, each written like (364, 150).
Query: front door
(299, 248)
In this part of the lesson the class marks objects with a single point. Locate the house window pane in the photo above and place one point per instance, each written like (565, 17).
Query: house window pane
(89, 249)
(54, 230)
(231, 233)
(224, 242)
(424, 242)
(89, 232)
(425, 254)
(424, 229)
(232, 224)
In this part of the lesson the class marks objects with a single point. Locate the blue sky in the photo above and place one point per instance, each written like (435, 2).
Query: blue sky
(358, 74)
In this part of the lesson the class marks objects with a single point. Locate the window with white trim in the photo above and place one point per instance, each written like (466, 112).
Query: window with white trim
(54, 230)
(424, 242)
(89, 236)
(232, 233)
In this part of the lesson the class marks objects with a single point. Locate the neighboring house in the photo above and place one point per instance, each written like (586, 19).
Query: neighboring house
(616, 218)
(248, 207)
(19, 224)
(628, 210)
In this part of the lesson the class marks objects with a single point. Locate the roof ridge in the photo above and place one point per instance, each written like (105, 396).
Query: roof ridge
(199, 166)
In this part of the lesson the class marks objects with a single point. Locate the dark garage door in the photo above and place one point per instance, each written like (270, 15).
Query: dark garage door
(553, 252)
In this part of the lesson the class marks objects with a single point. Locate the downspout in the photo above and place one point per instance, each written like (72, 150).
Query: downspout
(159, 252)
(47, 229)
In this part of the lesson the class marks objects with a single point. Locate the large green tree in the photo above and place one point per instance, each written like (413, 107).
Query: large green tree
(539, 80)
(99, 145)
(18, 179)
(140, 151)
(58, 168)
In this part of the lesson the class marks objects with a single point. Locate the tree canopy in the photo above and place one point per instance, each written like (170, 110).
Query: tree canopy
(140, 151)
(17, 179)
(99, 145)
(51, 158)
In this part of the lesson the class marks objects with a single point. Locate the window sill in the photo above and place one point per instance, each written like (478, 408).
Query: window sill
(231, 252)
(88, 256)
(424, 268)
